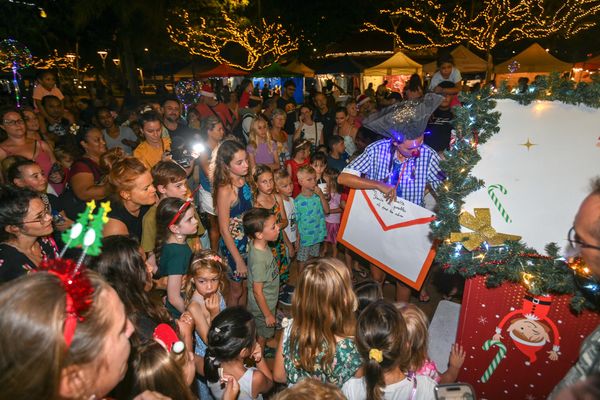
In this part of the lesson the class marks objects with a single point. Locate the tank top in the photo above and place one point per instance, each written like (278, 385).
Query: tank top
(133, 223)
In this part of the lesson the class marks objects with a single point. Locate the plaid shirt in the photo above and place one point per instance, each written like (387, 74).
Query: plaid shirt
(375, 163)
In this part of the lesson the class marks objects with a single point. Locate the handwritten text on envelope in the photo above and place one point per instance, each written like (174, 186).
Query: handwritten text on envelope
(394, 236)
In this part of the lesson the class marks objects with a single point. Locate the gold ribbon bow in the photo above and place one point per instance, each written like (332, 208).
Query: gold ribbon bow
(481, 225)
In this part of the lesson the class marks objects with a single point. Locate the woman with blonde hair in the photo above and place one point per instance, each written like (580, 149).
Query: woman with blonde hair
(132, 195)
(319, 341)
(262, 149)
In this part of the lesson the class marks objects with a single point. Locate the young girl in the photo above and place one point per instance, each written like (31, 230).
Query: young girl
(174, 222)
(267, 198)
(232, 196)
(319, 162)
(261, 148)
(334, 217)
(164, 365)
(203, 299)
(418, 337)
(300, 151)
(381, 341)
(319, 341)
(231, 339)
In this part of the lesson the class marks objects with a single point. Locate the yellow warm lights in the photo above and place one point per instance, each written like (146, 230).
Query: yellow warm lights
(262, 41)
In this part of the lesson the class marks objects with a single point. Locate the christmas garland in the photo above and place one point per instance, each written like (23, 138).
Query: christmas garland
(474, 124)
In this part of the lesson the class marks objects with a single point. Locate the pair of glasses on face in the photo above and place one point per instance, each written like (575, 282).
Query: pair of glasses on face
(41, 217)
(13, 122)
(576, 242)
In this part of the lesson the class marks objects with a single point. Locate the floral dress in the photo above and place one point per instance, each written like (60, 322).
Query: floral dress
(345, 362)
(278, 248)
(236, 228)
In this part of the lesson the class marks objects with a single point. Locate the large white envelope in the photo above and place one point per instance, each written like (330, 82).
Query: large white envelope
(395, 237)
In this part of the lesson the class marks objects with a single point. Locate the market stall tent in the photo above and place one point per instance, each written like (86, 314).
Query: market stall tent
(275, 75)
(396, 70)
(300, 68)
(534, 60)
(220, 71)
(583, 71)
(464, 60)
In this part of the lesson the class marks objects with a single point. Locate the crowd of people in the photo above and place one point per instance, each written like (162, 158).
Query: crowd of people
(210, 217)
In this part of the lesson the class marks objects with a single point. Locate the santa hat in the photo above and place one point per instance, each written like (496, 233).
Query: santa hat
(207, 91)
(527, 348)
(168, 339)
(362, 99)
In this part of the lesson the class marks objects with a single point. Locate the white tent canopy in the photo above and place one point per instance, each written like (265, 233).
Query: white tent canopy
(464, 60)
(398, 64)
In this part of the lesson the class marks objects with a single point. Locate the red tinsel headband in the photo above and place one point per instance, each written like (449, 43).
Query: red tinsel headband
(183, 207)
(78, 290)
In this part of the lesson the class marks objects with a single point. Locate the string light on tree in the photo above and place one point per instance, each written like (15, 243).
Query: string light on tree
(262, 42)
(487, 24)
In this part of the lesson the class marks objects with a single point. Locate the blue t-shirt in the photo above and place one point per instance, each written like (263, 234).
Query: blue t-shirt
(311, 219)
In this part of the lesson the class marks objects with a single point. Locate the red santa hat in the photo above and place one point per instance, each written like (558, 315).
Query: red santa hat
(168, 339)
(207, 91)
(528, 348)
(362, 99)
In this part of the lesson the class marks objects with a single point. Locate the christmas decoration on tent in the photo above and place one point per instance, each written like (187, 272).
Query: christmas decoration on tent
(514, 66)
(481, 225)
(474, 124)
(263, 42)
(14, 55)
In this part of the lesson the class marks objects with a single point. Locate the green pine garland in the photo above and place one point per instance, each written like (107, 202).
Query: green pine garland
(474, 124)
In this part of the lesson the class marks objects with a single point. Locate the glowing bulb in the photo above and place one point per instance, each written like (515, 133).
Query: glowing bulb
(198, 148)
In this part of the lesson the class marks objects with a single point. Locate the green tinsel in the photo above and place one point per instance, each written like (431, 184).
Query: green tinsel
(474, 124)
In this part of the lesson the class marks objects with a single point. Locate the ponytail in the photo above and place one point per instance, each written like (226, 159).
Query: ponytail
(374, 379)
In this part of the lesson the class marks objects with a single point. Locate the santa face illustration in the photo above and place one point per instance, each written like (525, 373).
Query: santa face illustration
(529, 331)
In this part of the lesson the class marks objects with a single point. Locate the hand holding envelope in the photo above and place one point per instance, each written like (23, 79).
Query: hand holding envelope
(395, 235)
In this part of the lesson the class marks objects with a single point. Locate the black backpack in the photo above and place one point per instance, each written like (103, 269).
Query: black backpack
(239, 131)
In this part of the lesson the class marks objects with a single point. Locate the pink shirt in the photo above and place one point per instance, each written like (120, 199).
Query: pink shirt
(429, 369)
(39, 92)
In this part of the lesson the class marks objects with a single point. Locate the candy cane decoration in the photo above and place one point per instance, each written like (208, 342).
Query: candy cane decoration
(497, 358)
(496, 201)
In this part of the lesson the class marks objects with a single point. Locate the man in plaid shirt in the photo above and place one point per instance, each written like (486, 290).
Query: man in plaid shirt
(401, 166)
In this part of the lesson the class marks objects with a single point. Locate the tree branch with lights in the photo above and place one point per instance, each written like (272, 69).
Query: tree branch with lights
(262, 43)
(440, 24)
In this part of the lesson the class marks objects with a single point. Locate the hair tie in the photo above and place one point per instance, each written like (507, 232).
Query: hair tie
(376, 354)
(218, 330)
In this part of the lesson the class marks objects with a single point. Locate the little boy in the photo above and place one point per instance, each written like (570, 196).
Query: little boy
(311, 207)
(319, 162)
(285, 188)
(261, 226)
(446, 72)
(45, 86)
(169, 178)
(337, 158)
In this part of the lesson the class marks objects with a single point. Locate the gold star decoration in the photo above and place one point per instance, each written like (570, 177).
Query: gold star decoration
(528, 144)
(481, 225)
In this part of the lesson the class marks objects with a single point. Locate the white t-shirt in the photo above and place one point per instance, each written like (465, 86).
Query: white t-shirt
(125, 132)
(291, 229)
(356, 389)
(312, 133)
(437, 78)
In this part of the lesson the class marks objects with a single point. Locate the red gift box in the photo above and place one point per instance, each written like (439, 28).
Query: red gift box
(540, 335)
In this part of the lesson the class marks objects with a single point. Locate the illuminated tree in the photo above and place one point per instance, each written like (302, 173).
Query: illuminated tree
(261, 43)
(485, 25)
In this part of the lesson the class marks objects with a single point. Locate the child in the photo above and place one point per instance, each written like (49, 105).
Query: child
(318, 342)
(381, 340)
(231, 339)
(261, 148)
(319, 162)
(174, 222)
(261, 226)
(154, 148)
(164, 366)
(169, 179)
(233, 197)
(45, 86)
(446, 72)
(337, 158)
(285, 188)
(64, 157)
(417, 338)
(203, 299)
(267, 198)
(300, 151)
(367, 292)
(334, 216)
(311, 207)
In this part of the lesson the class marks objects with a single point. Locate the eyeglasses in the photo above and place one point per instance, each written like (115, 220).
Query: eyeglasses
(576, 242)
(42, 216)
(13, 122)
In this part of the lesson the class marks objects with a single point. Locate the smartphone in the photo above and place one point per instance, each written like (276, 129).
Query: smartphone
(454, 391)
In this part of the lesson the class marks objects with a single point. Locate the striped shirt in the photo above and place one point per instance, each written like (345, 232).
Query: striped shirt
(415, 173)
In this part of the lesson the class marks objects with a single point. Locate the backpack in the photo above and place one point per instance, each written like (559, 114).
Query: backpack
(239, 131)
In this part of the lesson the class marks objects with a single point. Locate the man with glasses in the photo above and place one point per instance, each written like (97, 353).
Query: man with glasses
(585, 237)
(400, 166)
